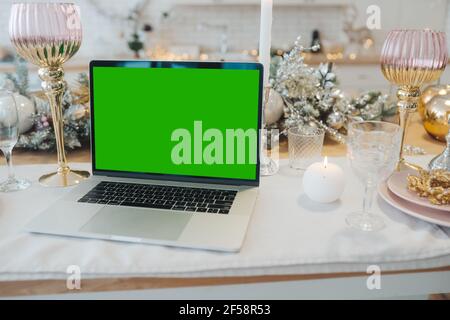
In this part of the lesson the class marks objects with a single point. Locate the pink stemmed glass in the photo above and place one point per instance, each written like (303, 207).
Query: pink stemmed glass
(48, 35)
(409, 59)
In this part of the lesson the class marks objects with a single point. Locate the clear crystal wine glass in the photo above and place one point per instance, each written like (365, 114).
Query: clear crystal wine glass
(373, 153)
(48, 35)
(9, 134)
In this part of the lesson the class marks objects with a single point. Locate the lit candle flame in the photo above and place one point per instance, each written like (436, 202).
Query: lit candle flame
(325, 162)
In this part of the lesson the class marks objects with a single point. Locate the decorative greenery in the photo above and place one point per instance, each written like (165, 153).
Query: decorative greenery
(20, 78)
(312, 98)
(75, 108)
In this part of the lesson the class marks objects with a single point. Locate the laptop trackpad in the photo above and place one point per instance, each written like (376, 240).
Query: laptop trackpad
(137, 223)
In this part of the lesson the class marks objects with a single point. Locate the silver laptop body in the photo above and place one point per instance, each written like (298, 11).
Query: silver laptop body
(170, 227)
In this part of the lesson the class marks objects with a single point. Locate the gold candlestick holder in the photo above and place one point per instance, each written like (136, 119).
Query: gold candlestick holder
(408, 98)
(48, 35)
(54, 87)
(409, 59)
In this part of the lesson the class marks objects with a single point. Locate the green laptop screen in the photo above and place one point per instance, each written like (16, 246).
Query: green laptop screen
(176, 121)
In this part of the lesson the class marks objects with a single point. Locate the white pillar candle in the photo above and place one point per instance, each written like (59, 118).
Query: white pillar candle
(324, 182)
(265, 39)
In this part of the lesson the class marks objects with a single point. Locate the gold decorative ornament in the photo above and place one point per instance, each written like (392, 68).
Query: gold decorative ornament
(436, 117)
(433, 185)
(429, 93)
(434, 108)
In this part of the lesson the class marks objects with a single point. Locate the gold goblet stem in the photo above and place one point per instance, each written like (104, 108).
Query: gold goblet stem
(408, 97)
(54, 87)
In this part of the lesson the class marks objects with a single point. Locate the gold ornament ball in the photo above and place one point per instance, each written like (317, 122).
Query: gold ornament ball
(428, 94)
(435, 116)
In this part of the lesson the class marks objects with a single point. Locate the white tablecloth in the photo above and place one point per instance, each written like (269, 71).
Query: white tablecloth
(288, 234)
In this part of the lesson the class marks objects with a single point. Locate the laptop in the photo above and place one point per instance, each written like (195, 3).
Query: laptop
(175, 158)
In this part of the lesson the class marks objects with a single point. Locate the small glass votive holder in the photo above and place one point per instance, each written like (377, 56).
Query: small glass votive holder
(305, 146)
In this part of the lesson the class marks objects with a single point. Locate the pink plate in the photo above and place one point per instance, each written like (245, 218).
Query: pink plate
(438, 217)
(397, 184)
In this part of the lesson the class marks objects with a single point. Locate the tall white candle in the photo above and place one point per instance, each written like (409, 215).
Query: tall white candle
(265, 40)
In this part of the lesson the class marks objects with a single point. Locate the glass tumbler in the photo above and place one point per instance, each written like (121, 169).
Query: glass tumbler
(305, 146)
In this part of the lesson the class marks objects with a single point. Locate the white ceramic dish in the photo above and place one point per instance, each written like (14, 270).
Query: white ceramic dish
(438, 217)
(397, 184)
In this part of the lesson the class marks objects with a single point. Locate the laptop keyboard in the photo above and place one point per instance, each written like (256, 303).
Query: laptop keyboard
(161, 197)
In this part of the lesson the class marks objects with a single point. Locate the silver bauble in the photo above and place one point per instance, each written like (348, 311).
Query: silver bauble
(26, 111)
(274, 108)
(312, 124)
(336, 120)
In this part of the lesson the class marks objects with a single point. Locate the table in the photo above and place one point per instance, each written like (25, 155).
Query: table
(419, 282)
